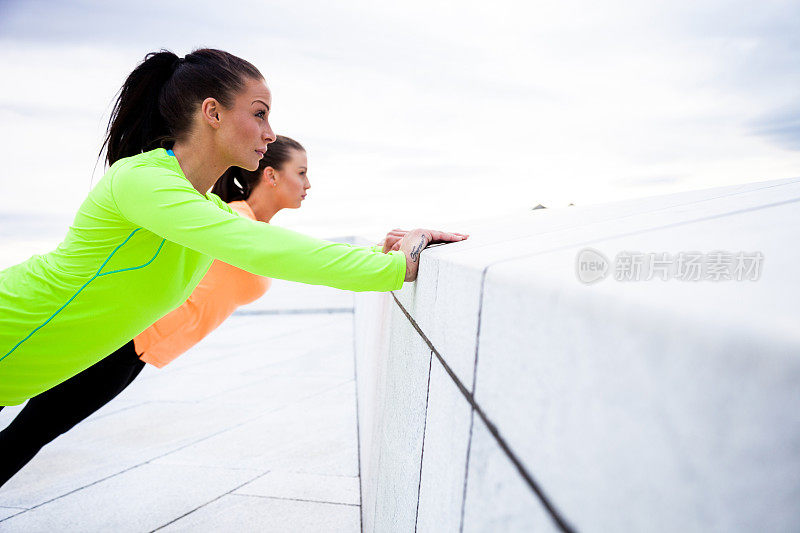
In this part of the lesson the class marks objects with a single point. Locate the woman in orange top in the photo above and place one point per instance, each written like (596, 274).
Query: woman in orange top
(280, 182)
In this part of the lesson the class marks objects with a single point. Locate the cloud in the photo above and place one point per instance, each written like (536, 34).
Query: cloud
(557, 102)
(780, 127)
(646, 181)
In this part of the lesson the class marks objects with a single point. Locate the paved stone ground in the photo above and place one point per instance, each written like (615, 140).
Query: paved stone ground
(254, 429)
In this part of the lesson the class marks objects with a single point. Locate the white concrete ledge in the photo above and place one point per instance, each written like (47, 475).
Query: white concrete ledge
(499, 392)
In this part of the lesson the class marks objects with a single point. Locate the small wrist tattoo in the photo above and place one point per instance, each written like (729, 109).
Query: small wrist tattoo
(418, 249)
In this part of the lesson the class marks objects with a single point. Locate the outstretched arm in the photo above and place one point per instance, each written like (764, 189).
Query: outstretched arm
(166, 204)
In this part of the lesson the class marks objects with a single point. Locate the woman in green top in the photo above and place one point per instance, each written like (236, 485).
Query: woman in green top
(148, 231)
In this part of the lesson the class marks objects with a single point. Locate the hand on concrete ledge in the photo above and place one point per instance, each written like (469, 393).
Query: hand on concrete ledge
(417, 240)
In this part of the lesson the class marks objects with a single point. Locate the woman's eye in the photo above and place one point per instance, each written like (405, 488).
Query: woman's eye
(261, 114)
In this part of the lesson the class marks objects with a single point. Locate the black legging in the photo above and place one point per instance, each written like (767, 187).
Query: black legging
(57, 410)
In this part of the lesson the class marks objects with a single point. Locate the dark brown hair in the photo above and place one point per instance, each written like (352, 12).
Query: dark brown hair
(157, 100)
(237, 183)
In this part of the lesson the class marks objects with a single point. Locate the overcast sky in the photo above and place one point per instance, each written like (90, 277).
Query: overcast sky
(422, 112)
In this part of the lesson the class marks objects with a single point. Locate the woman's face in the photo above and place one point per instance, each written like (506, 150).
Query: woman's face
(244, 129)
(280, 189)
(291, 180)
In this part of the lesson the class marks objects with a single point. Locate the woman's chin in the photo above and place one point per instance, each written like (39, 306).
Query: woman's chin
(251, 165)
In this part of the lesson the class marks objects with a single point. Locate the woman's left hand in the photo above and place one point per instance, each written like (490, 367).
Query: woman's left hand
(392, 240)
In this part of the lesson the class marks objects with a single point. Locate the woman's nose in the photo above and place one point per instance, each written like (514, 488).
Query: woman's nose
(269, 135)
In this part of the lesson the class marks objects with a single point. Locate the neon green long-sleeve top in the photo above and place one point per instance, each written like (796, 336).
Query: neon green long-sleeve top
(140, 243)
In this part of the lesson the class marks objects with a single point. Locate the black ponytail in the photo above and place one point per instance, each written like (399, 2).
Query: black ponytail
(237, 183)
(156, 103)
(136, 123)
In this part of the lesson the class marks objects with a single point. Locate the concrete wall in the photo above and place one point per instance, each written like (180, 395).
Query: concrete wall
(500, 393)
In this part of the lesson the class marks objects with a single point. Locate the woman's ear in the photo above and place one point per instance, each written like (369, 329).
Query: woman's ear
(270, 175)
(210, 109)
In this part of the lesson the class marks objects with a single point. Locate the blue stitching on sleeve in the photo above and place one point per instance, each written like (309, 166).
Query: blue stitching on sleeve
(97, 275)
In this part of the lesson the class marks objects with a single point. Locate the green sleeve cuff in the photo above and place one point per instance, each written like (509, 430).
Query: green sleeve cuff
(399, 259)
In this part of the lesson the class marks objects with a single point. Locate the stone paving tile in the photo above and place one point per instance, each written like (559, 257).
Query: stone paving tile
(284, 295)
(447, 430)
(315, 435)
(140, 499)
(194, 387)
(326, 360)
(393, 432)
(236, 513)
(100, 448)
(301, 486)
(497, 497)
(216, 368)
(244, 340)
(6, 512)
(8, 414)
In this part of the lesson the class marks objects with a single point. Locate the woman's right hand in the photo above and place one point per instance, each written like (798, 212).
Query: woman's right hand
(417, 240)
